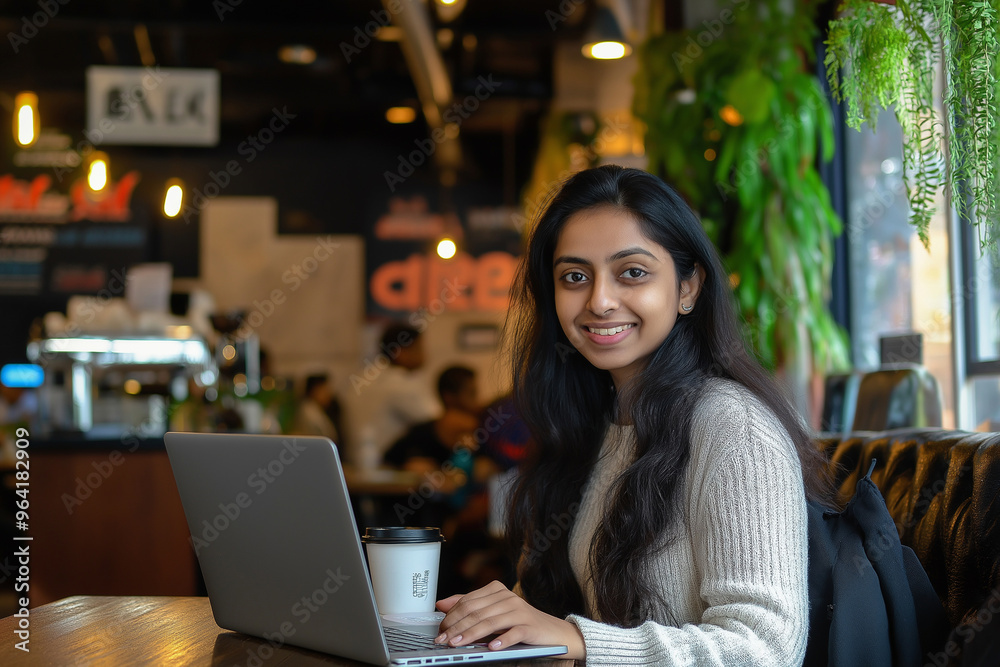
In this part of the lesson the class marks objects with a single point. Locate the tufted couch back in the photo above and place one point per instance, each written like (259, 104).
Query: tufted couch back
(943, 491)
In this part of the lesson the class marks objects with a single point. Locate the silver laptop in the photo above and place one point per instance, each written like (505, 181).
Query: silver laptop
(274, 532)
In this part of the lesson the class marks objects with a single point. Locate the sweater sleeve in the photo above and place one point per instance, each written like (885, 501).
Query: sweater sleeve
(747, 522)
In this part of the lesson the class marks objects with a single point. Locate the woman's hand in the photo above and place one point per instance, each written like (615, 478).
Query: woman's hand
(494, 610)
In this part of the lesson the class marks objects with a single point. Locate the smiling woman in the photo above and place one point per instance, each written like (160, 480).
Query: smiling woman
(616, 309)
(682, 470)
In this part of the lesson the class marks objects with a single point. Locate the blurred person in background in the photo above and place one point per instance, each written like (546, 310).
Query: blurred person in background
(427, 445)
(390, 396)
(445, 452)
(313, 414)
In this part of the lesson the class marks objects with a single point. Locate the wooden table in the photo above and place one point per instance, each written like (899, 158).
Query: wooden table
(98, 630)
(377, 492)
(381, 481)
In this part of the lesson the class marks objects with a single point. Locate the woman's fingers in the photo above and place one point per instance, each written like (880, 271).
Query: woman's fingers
(513, 636)
(446, 604)
(489, 621)
(494, 611)
(466, 601)
(459, 607)
(470, 611)
(488, 611)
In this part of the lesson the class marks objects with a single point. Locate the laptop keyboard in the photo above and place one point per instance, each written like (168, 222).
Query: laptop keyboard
(403, 640)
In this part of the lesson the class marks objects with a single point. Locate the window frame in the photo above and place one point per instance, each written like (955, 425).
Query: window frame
(974, 365)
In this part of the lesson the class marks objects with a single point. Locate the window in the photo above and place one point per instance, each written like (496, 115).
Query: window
(896, 285)
(981, 288)
(982, 304)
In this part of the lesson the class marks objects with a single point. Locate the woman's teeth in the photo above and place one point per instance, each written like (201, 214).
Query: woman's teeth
(609, 332)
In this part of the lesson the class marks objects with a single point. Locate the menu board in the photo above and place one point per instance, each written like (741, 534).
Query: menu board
(67, 242)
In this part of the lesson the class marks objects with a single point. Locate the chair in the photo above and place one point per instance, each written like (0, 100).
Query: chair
(942, 488)
(898, 396)
(840, 396)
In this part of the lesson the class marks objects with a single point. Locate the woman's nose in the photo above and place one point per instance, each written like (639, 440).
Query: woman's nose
(603, 297)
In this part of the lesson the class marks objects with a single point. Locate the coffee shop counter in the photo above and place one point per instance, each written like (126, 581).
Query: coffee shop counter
(104, 517)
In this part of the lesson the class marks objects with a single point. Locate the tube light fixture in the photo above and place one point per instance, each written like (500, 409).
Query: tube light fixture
(26, 122)
(173, 198)
(97, 171)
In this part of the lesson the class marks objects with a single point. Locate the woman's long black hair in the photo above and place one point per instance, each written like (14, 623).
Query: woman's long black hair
(568, 405)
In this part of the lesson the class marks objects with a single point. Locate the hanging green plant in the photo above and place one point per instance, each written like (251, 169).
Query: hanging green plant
(885, 56)
(736, 129)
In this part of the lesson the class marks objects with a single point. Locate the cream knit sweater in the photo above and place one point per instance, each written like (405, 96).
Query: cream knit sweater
(735, 579)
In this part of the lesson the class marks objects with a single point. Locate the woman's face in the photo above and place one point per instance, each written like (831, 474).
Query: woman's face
(616, 292)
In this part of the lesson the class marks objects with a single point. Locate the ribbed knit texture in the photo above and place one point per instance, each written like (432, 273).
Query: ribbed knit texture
(735, 579)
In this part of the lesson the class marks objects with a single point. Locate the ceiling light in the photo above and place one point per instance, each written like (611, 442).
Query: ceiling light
(389, 33)
(445, 37)
(297, 54)
(607, 50)
(446, 248)
(605, 40)
(26, 123)
(173, 198)
(401, 115)
(97, 171)
(449, 10)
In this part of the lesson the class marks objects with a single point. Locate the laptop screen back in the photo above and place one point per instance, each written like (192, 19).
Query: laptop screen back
(273, 529)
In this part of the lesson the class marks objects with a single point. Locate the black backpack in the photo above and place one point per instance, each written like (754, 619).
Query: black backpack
(870, 601)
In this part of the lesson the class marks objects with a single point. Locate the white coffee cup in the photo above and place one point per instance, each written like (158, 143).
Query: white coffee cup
(403, 562)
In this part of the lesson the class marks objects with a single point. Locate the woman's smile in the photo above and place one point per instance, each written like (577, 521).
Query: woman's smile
(608, 334)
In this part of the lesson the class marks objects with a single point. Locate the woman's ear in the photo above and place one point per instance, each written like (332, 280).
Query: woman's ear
(690, 289)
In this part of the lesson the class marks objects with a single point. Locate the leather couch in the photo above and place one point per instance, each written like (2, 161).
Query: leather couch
(942, 489)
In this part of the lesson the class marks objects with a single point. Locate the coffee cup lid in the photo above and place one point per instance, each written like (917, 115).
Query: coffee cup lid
(402, 535)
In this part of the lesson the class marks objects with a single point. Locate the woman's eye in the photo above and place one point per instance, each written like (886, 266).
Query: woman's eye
(574, 277)
(633, 273)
